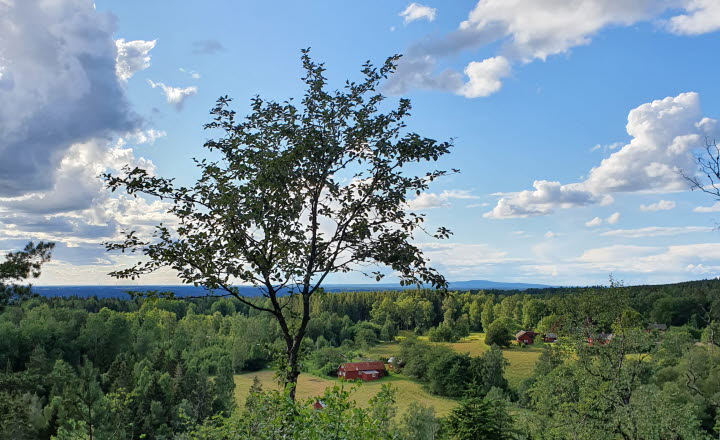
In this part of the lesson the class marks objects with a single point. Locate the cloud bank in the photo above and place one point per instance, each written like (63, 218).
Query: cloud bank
(664, 134)
(529, 30)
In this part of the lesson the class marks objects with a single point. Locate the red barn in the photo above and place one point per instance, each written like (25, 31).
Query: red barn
(527, 337)
(372, 370)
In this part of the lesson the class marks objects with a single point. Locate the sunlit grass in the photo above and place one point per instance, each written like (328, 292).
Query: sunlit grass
(408, 390)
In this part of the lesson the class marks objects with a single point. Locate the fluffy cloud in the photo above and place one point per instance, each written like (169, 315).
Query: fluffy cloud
(59, 87)
(714, 208)
(597, 221)
(416, 11)
(542, 200)
(484, 77)
(175, 96)
(132, 57)
(702, 16)
(614, 218)
(529, 30)
(664, 134)
(442, 200)
(655, 231)
(662, 205)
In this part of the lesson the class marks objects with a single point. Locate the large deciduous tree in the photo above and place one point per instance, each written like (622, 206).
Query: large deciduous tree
(301, 190)
(18, 267)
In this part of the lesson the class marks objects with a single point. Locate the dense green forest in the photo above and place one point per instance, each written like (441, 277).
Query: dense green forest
(161, 369)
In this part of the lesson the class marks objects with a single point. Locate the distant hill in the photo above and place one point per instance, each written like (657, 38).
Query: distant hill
(485, 284)
(180, 291)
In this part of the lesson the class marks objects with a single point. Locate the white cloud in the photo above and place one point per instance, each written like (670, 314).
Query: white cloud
(664, 134)
(702, 16)
(175, 96)
(597, 221)
(442, 200)
(650, 259)
(484, 77)
(132, 57)
(662, 205)
(656, 231)
(529, 30)
(614, 218)
(541, 200)
(416, 11)
(59, 73)
(612, 146)
(193, 74)
(714, 208)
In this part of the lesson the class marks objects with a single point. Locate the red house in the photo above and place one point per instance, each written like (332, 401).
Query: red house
(372, 370)
(527, 337)
(550, 337)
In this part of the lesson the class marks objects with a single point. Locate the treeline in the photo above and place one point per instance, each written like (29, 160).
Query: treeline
(160, 369)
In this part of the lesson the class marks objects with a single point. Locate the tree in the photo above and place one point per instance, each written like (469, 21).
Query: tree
(708, 165)
(478, 418)
(487, 315)
(498, 333)
(300, 192)
(419, 422)
(18, 267)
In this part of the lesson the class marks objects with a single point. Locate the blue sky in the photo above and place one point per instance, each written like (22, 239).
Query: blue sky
(570, 119)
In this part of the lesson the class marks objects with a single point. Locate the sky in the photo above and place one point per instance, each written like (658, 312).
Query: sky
(571, 121)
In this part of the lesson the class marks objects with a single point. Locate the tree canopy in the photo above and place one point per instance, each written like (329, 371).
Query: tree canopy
(302, 190)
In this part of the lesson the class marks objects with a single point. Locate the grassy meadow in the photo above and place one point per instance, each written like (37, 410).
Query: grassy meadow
(408, 390)
(521, 364)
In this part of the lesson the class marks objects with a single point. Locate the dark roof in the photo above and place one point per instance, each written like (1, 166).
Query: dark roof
(363, 366)
(525, 332)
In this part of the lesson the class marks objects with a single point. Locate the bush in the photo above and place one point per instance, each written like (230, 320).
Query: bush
(498, 334)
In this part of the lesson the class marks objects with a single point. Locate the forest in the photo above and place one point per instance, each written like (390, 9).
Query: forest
(158, 368)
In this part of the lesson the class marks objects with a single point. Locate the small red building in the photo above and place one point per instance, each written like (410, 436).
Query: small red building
(527, 337)
(550, 337)
(600, 339)
(372, 370)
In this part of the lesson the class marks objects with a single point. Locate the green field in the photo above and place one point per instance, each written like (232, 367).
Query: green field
(408, 390)
(522, 362)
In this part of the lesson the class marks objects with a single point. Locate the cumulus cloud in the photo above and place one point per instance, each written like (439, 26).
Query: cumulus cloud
(546, 196)
(662, 205)
(702, 16)
(528, 30)
(442, 200)
(664, 134)
(59, 87)
(175, 96)
(416, 11)
(614, 218)
(713, 208)
(597, 221)
(132, 57)
(484, 77)
(207, 47)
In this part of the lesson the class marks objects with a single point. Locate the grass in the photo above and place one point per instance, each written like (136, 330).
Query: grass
(407, 390)
(522, 360)
(521, 364)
